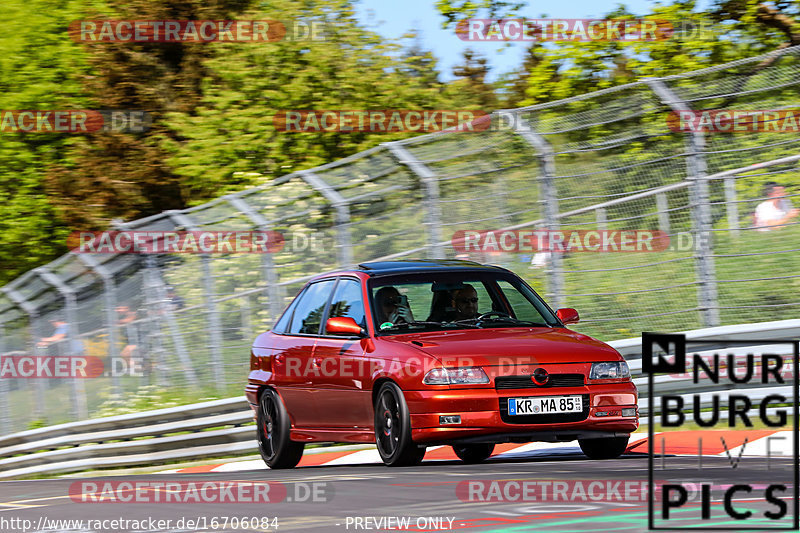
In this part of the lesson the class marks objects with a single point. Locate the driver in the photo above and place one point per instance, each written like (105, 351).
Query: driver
(465, 302)
(392, 307)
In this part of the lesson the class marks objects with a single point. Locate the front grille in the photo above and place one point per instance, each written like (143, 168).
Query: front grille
(525, 382)
(557, 418)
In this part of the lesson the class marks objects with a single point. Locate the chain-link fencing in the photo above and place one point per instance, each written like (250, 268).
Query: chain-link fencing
(609, 160)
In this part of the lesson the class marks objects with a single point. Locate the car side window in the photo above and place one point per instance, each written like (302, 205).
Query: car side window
(283, 322)
(308, 312)
(348, 301)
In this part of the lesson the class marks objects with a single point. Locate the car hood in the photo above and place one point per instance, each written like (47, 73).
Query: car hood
(503, 346)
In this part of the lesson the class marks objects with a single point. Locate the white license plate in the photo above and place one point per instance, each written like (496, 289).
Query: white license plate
(545, 405)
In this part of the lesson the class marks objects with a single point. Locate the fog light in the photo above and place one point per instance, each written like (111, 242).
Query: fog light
(630, 411)
(601, 413)
(452, 419)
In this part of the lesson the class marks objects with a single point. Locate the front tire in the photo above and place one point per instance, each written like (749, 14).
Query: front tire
(276, 448)
(604, 448)
(474, 453)
(393, 428)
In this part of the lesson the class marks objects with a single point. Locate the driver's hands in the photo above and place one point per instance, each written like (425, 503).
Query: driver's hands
(402, 313)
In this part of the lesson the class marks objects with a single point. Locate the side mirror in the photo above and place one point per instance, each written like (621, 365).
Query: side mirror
(343, 325)
(568, 315)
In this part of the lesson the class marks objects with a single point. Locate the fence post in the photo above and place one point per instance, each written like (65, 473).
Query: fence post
(247, 324)
(433, 209)
(215, 325)
(153, 331)
(5, 414)
(731, 207)
(343, 241)
(78, 389)
(110, 297)
(549, 199)
(33, 320)
(662, 206)
(700, 206)
(602, 219)
(267, 264)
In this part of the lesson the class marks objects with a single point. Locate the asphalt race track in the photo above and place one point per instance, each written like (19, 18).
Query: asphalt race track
(430, 497)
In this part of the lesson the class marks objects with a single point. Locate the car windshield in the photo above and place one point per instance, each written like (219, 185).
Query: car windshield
(443, 300)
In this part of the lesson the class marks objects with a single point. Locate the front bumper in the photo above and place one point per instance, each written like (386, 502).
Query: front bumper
(482, 420)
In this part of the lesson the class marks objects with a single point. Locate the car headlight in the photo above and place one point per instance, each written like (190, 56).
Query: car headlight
(455, 376)
(610, 370)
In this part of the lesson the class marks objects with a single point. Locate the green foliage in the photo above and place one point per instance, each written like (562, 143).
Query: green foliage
(146, 398)
(232, 133)
(725, 32)
(40, 69)
(455, 10)
(36, 424)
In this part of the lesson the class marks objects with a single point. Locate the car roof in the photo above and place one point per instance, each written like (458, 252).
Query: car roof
(408, 266)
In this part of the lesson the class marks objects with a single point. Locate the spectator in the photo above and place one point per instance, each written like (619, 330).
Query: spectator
(776, 211)
(174, 300)
(125, 318)
(60, 334)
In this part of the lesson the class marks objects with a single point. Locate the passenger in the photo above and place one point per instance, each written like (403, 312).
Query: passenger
(392, 306)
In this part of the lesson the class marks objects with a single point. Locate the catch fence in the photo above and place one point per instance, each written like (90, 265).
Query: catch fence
(607, 160)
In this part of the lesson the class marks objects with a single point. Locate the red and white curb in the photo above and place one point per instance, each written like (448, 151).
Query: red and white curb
(756, 443)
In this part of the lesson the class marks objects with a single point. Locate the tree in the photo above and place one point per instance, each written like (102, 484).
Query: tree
(40, 69)
(727, 31)
(455, 10)
(472, 87)
(230, 141)
(125, 175)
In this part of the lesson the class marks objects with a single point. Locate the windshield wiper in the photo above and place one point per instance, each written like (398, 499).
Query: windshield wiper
(441, 324)
(508, 319)
(408, 325)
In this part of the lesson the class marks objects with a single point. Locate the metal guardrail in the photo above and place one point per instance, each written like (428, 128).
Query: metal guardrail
(109, 442)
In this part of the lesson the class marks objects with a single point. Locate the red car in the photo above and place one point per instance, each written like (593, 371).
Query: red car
(409, 354)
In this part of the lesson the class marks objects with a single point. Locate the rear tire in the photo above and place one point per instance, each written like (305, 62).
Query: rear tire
(276, 448)
(393, 428)
(604, 448)
(474, 453)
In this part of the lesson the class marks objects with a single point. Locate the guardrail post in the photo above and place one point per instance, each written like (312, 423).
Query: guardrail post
(78, 389)
(700, 207)
(215, 324)
(432, 206)
(344, 244)
(549, 200)
(267, 264)
(110, 297)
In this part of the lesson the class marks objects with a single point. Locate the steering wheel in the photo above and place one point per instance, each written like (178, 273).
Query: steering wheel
(498, 314)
